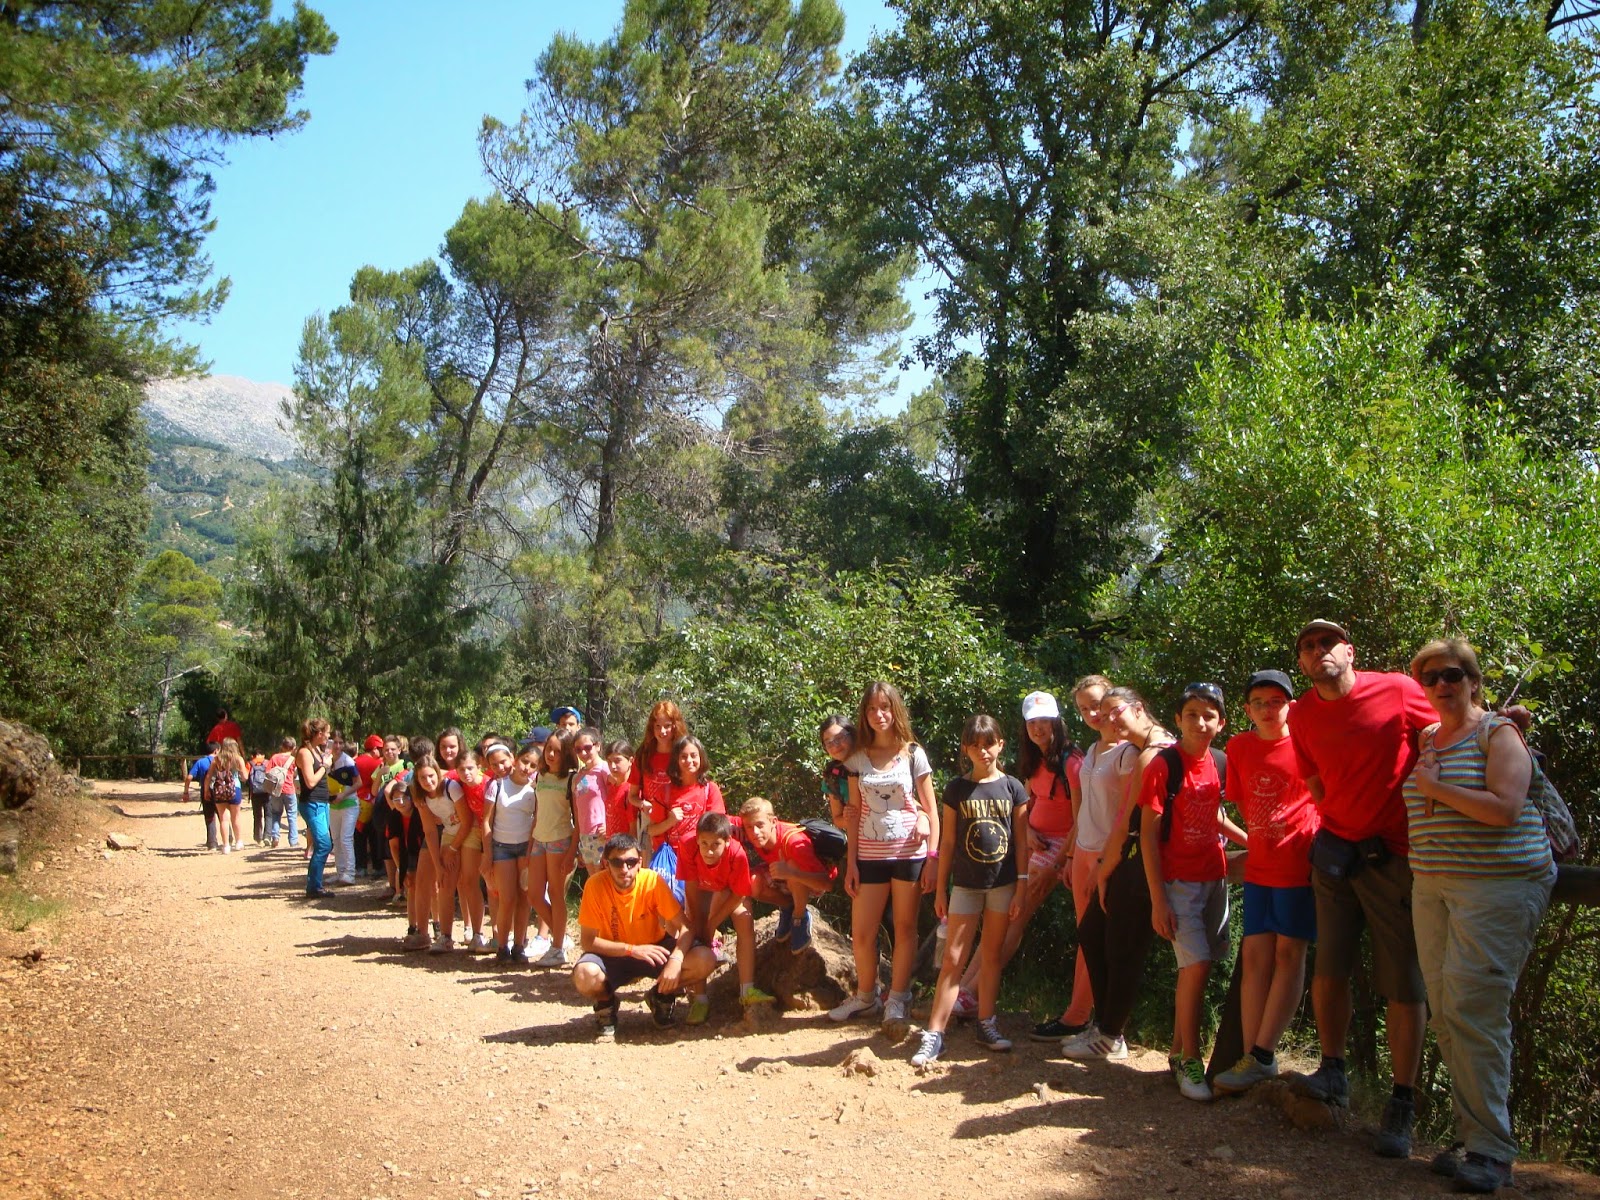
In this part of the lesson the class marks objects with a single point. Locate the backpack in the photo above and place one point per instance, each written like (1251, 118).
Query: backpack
(274, 777)
(1173, 757)
(828, 841)
(221, 787)
(1559, 826)
(258, 777)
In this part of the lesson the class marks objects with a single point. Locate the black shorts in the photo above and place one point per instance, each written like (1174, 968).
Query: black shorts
(622, 970)
(886, 870)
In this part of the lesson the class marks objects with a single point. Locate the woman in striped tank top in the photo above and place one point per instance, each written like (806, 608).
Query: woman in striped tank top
(1482, 873)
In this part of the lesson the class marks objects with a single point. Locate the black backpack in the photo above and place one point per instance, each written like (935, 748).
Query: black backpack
(1173, 757)
(828, 841)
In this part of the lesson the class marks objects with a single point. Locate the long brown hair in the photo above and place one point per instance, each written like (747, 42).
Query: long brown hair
(664, 710)
(901, 723)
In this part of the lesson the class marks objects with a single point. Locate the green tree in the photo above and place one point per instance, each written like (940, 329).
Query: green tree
(176, 617)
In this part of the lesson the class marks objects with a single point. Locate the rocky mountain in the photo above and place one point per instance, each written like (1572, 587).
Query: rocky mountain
(222, 410)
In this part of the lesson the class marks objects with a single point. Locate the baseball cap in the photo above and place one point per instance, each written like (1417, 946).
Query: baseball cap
(1211, 693)
(562, 710)
(1318, 625)
(1269, 678)
(373, 742)
(1040, 704)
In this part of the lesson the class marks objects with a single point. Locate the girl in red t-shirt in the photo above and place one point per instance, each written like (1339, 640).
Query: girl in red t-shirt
(647, 784)
(690, 795)
(621, 817)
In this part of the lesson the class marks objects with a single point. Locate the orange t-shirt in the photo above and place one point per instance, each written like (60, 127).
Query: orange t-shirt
(636, 916)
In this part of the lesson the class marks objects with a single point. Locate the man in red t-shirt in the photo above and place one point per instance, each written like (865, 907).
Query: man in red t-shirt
(226, 727)
(1355, 738)
(716, 882)
(786, 871)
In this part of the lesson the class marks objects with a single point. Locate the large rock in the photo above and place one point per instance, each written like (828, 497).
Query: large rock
(817, 978)
(24, 759)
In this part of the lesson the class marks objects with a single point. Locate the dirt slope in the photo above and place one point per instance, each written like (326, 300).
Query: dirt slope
(193, 1028)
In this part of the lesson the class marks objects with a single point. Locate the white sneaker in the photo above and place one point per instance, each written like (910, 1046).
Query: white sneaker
(553, 957)
(227, 849)
(482, 943)
(1091, 1044)
(441, 945)
(1192, 1080)
(855, 1006)
(538, 947)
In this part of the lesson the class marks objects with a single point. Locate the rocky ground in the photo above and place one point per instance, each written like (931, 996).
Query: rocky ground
(189, 1026)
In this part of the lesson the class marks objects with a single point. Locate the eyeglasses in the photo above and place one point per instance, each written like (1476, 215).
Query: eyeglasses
(1324, 643)
(623, 864)
(837, 740)
(1442, 675)
(1113, 713)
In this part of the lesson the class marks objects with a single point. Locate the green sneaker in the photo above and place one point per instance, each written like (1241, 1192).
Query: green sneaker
(1244, 1075)
(699, 1010)
(754, 995)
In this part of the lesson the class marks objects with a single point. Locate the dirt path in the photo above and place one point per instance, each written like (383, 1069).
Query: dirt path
(195, 1029)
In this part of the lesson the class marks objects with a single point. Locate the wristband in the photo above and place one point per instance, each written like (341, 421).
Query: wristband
(629, 950)
(1022, 875)
(933, 856)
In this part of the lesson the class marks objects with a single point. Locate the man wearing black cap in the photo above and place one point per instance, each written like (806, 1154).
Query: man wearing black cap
(1355, 737)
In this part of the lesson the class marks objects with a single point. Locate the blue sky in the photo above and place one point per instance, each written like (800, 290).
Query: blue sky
(385, 163)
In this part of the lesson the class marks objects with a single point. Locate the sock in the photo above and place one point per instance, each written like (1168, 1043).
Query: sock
(1264, 1057)
(1329, 1061)
(745, 989)
(1401, 1092)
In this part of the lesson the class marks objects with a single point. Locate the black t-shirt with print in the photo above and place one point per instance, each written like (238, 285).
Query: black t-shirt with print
(985, 855)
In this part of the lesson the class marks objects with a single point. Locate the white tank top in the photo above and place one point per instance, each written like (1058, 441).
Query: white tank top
(513, 810)
(1102, 781)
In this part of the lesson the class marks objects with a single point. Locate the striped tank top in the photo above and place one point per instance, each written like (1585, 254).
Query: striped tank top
(1451, 843)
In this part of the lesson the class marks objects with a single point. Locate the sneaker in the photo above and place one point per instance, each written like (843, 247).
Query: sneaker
(441, 945)
(1091, 1045)
(415, 940)
(855, 1006)
(897, 1015)
(699, 1010)
(345, 881)
(538, 947)
(754, 995)
(990, 1037)
(502, 954)
(929, 1049)
(605, 1021)
(1448, 1162)
(1244, 1075)
(1481, 1174)
(800, 935)
(966, 1008)
(482, 943)
(663, 1008)
(1327, 1083)
(1055, 1029)
(785, 923)
(226, 849)
(553, 957)
(1175, 1067)
(521, 955)
(1393, 1139)
(1192, 1080)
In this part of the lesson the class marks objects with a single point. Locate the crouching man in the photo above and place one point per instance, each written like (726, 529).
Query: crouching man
(632, 927)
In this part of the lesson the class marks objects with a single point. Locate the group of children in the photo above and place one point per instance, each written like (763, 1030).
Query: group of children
(1135, 828)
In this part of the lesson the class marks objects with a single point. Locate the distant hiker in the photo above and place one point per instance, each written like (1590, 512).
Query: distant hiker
(225, 728)
(223, 783)
(198, 771)
(311, 765)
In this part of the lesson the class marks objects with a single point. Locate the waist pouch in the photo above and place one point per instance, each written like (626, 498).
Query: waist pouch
(1340, 858)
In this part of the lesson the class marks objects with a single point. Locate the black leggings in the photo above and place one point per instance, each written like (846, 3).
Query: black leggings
(258, 815)
(1116, 940)
(209, 811)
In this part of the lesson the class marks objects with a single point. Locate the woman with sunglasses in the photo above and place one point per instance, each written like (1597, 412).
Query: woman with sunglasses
(1115, 933)
(1481, 878)
(591, 786)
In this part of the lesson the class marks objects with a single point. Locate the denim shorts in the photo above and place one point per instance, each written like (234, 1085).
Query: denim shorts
(1287, 911)
(536, 848)
(510, 852)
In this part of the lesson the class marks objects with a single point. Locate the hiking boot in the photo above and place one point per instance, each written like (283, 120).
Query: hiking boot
(929, 1049)
(800, 935)
(1192, 1080)
(855, 1006)
(663, 1008)
(1448, 1162)
(699, 1010)
(1091, 1044)
(1327, 1083)
(605, 1021)
(1244, 1075)
(990, 1037)
(897, 1016)
(1393, 1139)
(1055, 1029)
(1481, 1174)
(785, 923)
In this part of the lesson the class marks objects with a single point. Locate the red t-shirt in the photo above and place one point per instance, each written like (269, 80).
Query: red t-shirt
(1193, 852)
(620, 815)
(651, 778)
(474, 794)
(1362, 746)
(1264, 784)
(1050, 803)
(793, 846)
(731, 872)
(367, 765)
(696, 800)
(223, 730)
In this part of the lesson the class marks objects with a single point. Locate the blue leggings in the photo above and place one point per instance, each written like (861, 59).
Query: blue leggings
(316, 819)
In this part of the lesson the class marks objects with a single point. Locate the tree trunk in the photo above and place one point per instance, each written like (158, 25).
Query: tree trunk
(159, 732)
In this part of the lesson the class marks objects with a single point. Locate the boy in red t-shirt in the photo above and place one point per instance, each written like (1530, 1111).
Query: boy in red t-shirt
(716, 883)
(1280, 911)
(1186, 868)
(787, 871)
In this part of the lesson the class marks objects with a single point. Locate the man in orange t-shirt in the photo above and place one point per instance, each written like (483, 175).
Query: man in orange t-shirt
(631, 927)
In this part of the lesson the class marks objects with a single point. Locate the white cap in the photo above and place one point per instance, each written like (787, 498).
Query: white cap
(1040, 704)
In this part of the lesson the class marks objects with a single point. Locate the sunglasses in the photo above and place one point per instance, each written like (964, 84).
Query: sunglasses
(1204, 691)
(584, 747)
(1324, 643)
(1442, 675)
(623, 864)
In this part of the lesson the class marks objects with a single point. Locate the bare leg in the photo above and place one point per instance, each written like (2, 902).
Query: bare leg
(467, 890)
(1259, 951)
(992, 959)
(1038, 891)
(866, 915)
(1288, 985)
(907, 901)
(957, 944)
(1191, 996)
